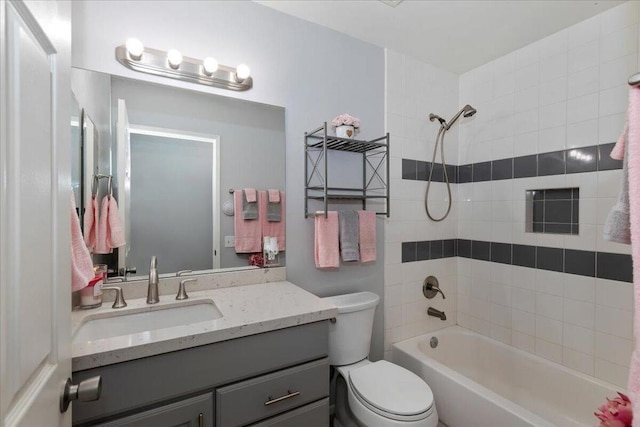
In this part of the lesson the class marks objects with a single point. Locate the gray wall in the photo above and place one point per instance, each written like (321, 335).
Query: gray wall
(313, 72)
(252, 137)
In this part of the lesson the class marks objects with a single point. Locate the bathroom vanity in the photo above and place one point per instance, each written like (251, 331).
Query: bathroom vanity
(262, 363)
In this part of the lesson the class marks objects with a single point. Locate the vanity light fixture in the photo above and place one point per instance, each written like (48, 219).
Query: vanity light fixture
(172, 64)
(174, 58)
(135, 48)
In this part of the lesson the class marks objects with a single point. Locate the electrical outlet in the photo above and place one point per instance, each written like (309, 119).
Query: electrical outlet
(229, 241)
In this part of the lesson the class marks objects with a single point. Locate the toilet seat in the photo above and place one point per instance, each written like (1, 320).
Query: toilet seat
(391, 391)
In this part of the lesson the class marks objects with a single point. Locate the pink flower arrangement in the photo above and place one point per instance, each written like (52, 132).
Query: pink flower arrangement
(615, 412)
(346, 119)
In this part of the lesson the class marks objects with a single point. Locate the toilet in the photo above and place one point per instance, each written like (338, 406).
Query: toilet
(372, 394)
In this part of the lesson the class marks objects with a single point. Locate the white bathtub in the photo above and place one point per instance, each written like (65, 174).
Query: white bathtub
(480, 382)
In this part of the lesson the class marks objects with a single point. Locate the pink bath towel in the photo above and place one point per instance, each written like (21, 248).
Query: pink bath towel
(248, 231)
(115, 231)
(367, 221)
(90, 222)
(81, 264)
(251, 195)
(274, 196)
(102, 228)
(633, 152)
(271, 228)
(327, 252)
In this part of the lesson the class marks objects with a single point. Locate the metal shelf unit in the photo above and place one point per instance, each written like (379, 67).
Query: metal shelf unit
(375, 170)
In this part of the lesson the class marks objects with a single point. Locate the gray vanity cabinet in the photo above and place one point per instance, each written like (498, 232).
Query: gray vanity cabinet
(274, 379)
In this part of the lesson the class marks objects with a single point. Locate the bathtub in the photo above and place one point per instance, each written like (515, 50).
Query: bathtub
(479, 382)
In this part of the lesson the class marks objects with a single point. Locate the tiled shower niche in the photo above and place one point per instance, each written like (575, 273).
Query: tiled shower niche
(553, 210)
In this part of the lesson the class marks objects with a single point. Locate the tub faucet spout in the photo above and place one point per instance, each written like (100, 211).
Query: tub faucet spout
(436, 313)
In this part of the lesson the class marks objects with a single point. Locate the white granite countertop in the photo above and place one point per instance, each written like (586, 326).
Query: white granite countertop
(246, 310)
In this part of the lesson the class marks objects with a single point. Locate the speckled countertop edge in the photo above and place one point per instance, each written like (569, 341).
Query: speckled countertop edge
(246, 310)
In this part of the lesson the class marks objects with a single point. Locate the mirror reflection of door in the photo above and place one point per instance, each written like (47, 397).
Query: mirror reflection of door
(173, 185)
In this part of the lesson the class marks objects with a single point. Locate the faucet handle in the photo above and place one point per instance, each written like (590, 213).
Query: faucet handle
(119, 301)
(116, 279)
(181, 272)
(182, 292)
(431, 287)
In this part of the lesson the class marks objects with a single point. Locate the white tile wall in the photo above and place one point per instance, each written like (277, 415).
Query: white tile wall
(569, 91)
(415, 89)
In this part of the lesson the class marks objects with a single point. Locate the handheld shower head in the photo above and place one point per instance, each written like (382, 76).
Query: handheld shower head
(466, 111)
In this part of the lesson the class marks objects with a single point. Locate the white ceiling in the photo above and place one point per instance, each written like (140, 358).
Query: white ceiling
(456, 35)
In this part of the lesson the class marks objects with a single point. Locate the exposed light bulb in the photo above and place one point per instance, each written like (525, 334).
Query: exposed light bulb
(210, 65)
(242, 72)
(135, 48)
(175, 58)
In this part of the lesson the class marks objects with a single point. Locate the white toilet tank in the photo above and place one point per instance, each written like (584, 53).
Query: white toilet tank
(350, 335)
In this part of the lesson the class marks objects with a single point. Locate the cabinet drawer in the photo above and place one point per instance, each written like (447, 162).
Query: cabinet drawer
(194, 412)
(269, 395)
(313, 415)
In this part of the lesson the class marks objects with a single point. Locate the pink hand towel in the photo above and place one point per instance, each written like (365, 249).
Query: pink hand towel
(367, 221)
(274, 196)
(115, 236)
(327, 253)
(633, 151)
(251, 195)
(90, 222)
(271, 228)
(102, 228)
(248, 232)
(81, 264)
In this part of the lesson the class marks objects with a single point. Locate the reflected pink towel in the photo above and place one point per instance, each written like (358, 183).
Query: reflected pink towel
(90, 222)
(115, 231)
(271, 228)
(251, 195)
(327, 253)
(633, 163)
(367, 221)
(248, 232)
(102, 232)
(81, 264)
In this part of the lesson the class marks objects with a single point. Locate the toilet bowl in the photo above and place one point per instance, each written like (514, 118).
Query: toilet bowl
(373, 394)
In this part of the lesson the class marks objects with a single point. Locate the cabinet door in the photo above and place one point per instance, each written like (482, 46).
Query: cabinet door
(194, 412)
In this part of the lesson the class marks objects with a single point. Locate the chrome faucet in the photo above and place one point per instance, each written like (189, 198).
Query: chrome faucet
(436, 313)
(152, 290)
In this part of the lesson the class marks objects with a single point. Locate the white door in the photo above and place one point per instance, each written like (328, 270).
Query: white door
(124, 179)
(35, 190)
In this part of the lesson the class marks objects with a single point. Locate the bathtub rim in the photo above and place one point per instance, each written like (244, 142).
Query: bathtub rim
(410, 347)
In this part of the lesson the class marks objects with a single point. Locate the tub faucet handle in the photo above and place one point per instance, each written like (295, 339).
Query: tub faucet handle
(431, 287)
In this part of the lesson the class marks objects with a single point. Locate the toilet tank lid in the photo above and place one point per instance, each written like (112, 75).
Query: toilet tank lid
(353, 302)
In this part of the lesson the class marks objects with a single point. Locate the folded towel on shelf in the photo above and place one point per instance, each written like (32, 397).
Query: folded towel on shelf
(81, 264)
(248, 232)
(272, 228)
(249, 204)
(274, 207)
(115, 231)
(102, 228)
(349, 231)
(367, 228)
(90, 222)
(326, 240)
(617, 226)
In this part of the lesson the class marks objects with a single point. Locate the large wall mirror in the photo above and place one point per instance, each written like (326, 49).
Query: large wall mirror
(170, 157)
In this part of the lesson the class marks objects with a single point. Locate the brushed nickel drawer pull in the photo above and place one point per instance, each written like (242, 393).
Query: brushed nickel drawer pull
(290, 394)
(201, 420)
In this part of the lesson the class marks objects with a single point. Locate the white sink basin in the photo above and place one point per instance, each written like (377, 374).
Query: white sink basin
(133, 321)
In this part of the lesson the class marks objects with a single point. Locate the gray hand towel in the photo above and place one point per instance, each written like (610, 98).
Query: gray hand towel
(349, 236)
(274, 209)
(249, 210)
(617, 227)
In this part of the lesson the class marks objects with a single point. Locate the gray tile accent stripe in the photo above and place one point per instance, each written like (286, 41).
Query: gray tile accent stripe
(575, 160)
(603, 265)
